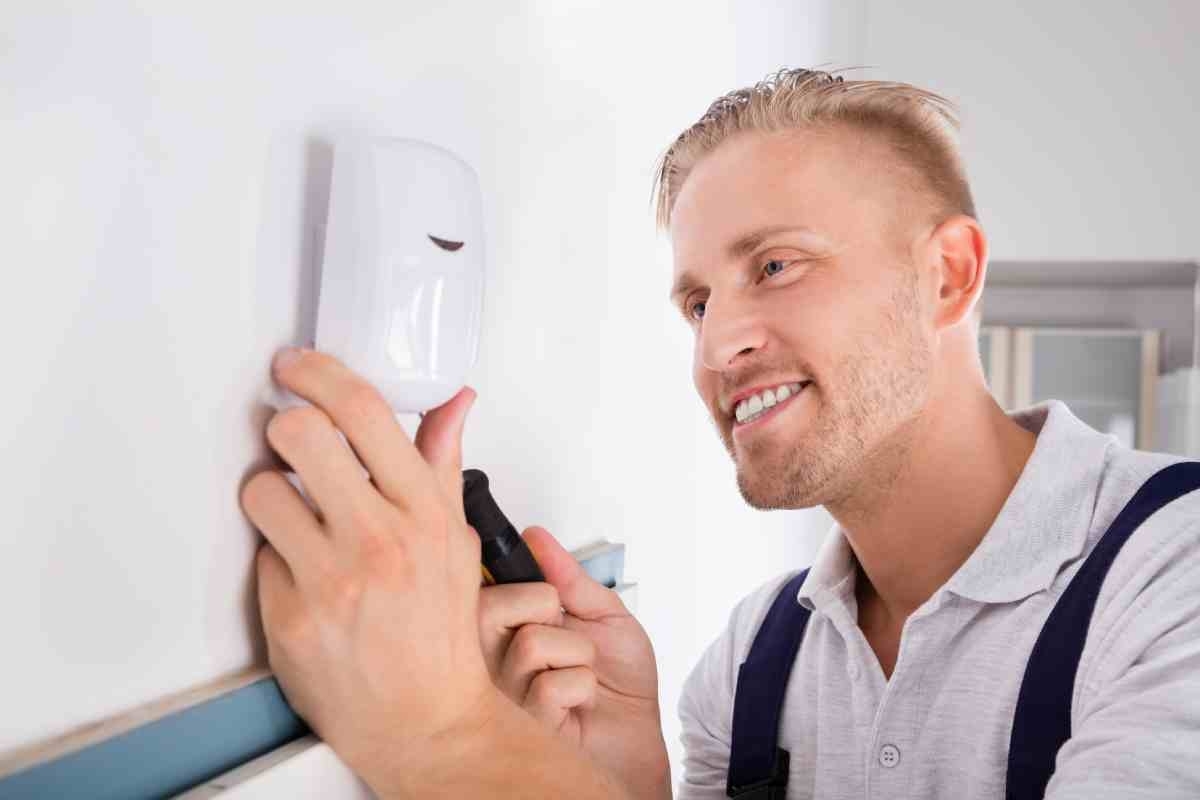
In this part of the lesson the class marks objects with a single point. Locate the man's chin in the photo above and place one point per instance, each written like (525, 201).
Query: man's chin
(771, 490)
(771, 497)
(776, 475)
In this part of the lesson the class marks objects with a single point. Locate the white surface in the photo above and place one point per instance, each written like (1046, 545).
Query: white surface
(1081, 118)
(304, 768)
(316, 772)
(163, 175)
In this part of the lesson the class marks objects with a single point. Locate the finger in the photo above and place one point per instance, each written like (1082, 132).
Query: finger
(277, 509)
(275, 583)
(554, 694)
(439, 440)
(278, 605)
(305, 438)
(511, 605)
(537, 648)
(503, 608)
(580, 594)
(360, 412)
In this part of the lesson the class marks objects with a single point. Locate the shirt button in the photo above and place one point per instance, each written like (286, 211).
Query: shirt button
(889, 755)
(854, 671)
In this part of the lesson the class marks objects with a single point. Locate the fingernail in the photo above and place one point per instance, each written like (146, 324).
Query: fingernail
(287, 355)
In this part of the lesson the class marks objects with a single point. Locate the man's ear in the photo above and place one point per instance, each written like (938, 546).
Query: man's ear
(959, 250)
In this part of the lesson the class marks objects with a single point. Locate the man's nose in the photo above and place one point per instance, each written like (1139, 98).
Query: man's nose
(728, 333)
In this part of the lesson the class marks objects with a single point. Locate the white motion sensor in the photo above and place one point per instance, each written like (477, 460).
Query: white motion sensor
(401, 293)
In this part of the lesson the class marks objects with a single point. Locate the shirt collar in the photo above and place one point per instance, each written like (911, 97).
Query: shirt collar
(1043, 524)
(831, 579)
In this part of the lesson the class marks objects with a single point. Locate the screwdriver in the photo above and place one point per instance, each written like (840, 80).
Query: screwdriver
(505, 557)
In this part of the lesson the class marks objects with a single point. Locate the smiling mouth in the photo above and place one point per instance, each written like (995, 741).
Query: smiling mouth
(764, 403)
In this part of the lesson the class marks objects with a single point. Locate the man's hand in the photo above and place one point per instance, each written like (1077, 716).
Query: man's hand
(588, 674)
(370, 606)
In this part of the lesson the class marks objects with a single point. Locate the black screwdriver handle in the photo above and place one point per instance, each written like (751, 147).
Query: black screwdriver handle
(505, 556)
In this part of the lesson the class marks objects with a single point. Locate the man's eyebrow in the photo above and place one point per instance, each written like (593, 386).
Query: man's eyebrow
(749, 242)
(684, 283)
(739, 248)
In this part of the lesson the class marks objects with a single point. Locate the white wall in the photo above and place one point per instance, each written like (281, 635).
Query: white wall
(1081, 118)
(163, 175)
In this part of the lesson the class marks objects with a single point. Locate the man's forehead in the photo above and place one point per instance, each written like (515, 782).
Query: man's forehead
(751, 174)
(814, 183)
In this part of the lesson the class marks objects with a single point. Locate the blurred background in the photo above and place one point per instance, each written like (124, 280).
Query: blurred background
(165, 181)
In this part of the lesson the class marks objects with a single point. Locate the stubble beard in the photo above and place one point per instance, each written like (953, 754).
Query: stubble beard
(878, 388)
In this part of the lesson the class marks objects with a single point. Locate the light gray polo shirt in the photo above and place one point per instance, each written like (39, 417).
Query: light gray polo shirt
(939, 728)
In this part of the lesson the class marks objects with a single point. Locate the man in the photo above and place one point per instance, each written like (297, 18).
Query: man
(828, 258)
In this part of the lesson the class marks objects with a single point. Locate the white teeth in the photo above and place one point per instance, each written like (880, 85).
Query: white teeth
(751, 407)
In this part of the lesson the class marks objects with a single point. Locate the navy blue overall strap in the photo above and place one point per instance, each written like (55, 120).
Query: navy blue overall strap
(758, 767)
(1042, 722)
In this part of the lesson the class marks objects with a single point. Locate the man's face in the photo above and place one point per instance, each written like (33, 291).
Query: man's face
(793, 267)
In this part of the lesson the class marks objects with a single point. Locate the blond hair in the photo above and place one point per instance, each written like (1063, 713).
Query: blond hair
(921, 128)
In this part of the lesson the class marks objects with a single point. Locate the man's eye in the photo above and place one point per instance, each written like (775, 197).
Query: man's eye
(774, 267)
(696, 310)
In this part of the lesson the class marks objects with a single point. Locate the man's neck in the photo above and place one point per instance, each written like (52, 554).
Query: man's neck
(932, 496)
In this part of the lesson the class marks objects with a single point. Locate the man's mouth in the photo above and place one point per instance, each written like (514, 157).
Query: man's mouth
(765, 401)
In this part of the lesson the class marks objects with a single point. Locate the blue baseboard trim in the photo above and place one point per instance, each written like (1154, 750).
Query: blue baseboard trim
(181, 750)
(168, 755)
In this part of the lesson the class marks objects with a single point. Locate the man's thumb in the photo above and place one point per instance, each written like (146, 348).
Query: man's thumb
(579, 593)
(439, 440)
